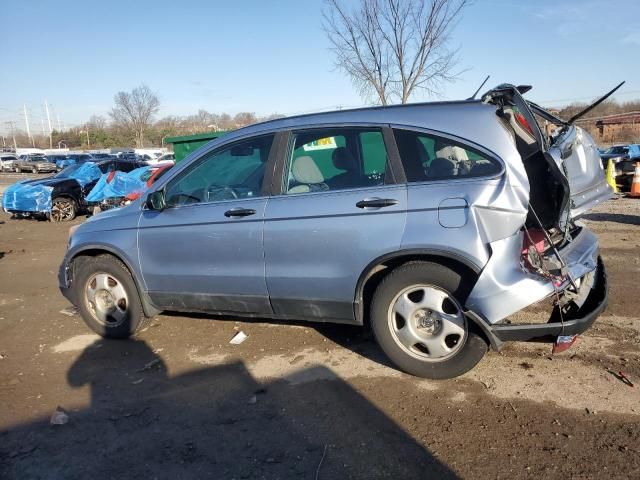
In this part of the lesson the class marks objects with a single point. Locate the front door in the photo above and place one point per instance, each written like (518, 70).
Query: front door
(203, 252)
(338, 210)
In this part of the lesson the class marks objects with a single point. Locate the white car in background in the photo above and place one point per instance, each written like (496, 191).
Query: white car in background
(6, 161)
(165, 158)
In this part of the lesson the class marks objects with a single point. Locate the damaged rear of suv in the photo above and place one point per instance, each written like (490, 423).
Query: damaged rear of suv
(433, 222)
(558, 257)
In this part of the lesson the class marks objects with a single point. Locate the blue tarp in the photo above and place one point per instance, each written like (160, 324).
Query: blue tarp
(85, 173)
(65, 163)
(121, 185)
(23, 197)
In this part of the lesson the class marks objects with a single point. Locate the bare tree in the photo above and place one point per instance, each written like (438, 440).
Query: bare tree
(391, 48)
(135, 110)
(97, 122)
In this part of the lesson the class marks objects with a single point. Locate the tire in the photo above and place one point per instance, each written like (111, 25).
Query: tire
(436, 340)
(121, 298)
(17, 169)
(63, 209)
(34, 170)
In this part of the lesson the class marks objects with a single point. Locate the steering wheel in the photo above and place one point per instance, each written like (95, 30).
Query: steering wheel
(221, 192)
(176, 199)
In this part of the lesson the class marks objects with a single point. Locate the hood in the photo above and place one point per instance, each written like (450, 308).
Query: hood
(50, 182)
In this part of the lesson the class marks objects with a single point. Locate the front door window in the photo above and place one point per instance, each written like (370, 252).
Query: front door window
(235, 172)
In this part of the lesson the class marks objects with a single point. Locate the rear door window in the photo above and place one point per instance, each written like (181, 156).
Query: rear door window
(336, 159)
(426, 157)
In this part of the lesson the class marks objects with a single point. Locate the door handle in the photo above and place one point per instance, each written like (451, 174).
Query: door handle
(376, 202)
(239, 212)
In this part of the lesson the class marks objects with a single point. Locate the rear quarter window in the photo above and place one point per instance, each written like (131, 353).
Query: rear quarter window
(427, 157)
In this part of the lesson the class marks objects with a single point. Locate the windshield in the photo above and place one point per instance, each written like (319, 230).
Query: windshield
(67, 172)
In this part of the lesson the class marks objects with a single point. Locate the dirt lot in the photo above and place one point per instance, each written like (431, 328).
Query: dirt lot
(304, 401)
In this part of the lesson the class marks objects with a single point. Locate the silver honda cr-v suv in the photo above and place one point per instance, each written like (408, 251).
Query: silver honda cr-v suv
(431, 222)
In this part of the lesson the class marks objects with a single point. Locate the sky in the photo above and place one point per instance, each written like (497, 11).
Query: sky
(273, 56)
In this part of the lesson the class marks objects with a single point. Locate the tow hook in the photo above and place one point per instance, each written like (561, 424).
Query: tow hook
(563, 343)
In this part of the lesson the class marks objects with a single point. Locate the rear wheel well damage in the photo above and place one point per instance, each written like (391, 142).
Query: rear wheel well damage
(373, 275)
(149, 309)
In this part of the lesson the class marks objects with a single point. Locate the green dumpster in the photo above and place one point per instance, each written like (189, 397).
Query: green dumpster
(184, 145)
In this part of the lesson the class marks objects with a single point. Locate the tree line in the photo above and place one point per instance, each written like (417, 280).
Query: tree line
(101, 132)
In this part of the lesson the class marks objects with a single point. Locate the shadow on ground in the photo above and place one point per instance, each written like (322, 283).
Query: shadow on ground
(358, 339)
(613, 217)
(216, 422)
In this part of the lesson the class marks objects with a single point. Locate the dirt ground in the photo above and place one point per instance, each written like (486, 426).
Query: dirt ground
(305, 400)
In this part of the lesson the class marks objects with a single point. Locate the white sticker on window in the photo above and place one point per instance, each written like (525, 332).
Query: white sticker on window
(320, 144)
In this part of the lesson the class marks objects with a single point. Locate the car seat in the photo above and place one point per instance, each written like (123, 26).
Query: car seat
(307, 177)
(442, 168)
(343, 160)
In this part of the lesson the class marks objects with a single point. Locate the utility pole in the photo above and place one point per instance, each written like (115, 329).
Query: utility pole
(13, 134)
(26, 121)
(46, 106)
(58, 118)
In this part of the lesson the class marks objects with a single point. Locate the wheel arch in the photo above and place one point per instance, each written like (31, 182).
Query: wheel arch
(150, 310)
(373, 274)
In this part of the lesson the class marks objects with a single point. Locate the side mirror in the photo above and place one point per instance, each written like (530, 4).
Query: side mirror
(155, 200)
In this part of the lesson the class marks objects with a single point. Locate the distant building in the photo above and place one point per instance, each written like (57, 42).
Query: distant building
(623, 127)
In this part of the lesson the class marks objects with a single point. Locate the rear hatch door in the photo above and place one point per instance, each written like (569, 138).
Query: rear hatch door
(575, 152)
(571, 152)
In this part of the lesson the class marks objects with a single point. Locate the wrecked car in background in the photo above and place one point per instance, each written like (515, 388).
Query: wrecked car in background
(62, 196)
(116, 188)
(434, 222)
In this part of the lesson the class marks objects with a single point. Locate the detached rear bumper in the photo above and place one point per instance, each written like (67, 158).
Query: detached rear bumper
(571, 323)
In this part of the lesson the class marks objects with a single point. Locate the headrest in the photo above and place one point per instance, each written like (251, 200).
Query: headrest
(306, 171)
(343, 160)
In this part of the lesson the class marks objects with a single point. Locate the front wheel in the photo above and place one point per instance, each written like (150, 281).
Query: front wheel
(63, 209)
(418, 321)
(107, 297)
(34, 170)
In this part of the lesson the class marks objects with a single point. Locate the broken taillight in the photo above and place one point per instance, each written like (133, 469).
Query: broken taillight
(523, 122)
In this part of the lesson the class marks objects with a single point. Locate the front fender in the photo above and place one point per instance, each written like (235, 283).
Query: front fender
(79, 248)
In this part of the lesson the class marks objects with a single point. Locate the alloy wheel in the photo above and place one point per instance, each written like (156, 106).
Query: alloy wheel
(63, 210)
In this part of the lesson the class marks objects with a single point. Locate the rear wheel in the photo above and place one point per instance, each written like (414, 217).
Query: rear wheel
(63, 209)
(17, 169)
(107, 297)
(418, 321)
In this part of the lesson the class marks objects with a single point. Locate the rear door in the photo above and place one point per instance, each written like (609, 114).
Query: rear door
(339, 208)
(568, 148)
